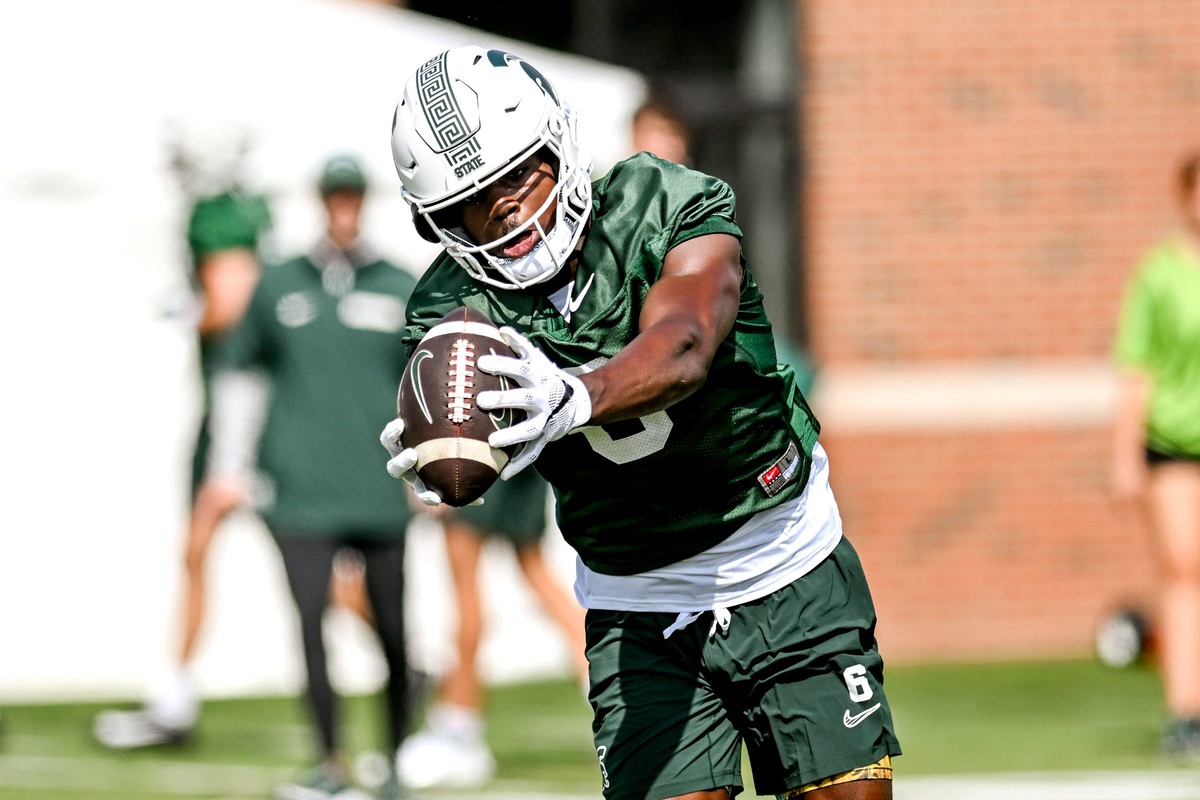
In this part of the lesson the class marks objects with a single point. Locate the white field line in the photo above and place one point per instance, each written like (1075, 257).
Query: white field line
(116, 774)
(234, 782)
(1173, 785)
(185, 779)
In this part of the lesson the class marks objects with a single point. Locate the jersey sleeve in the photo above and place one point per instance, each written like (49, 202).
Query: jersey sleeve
(439, 290)
(654, 205)
(705, 205)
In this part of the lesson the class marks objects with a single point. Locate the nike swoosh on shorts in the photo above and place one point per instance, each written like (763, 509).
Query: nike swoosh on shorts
(850, 721)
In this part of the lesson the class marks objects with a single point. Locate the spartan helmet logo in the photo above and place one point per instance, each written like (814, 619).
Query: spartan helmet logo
(500, 58)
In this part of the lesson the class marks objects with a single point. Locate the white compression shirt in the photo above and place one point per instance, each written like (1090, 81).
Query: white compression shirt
(774, 548)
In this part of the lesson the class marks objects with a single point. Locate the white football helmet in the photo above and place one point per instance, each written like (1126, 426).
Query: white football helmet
(466, 118)
(208, 152)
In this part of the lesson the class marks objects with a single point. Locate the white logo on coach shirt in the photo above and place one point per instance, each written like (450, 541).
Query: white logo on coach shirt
(295, 309)
(371, 311)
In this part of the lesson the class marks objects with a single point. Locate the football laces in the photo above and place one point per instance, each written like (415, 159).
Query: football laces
(462, 381)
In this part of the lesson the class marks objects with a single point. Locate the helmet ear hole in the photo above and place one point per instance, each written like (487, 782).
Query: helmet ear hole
(424, 229)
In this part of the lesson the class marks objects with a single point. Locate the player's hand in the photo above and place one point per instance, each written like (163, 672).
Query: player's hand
(554, 402)
(219, 495)
(403, 463)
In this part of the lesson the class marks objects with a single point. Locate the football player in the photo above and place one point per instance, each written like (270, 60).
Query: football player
(725, 606)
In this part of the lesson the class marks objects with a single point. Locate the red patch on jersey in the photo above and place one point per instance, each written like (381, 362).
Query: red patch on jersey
(781, 473)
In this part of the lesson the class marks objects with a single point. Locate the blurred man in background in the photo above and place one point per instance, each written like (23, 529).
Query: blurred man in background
(318, 353)
(658, 128)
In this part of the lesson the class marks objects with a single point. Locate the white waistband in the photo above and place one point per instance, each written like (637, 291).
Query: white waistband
(773, 548)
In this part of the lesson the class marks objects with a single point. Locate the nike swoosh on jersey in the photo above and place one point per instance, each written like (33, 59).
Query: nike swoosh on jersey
(573, 303)
(850, 721)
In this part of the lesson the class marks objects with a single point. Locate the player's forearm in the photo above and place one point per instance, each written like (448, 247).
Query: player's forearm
(687, 314)
(1129, 422)
(662, 366)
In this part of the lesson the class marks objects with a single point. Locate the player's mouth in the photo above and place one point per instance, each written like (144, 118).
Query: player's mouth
(522, 245)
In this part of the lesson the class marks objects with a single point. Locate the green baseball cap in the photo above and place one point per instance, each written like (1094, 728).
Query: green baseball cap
(342, 172)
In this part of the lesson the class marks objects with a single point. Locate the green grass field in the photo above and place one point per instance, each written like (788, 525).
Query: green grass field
(993, 718)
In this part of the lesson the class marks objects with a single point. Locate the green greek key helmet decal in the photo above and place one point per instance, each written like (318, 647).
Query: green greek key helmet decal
(453, 134)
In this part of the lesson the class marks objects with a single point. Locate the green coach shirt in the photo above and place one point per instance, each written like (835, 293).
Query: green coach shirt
(328, 341)
(644, 493)
(1159, 333)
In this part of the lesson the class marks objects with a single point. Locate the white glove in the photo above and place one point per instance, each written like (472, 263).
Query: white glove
(554, 402)
(403, 463)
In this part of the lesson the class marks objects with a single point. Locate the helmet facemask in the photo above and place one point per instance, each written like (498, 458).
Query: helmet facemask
(572, 197)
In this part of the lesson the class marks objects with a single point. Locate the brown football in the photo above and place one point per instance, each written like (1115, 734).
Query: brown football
(437, 403)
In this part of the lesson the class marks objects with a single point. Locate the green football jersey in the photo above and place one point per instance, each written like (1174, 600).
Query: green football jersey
(644, 493)
(330, 348)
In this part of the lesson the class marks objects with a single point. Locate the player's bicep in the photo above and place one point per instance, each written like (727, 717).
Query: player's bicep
(697, 293)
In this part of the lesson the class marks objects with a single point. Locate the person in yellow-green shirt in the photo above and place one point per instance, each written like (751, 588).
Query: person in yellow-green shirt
(1156, 453)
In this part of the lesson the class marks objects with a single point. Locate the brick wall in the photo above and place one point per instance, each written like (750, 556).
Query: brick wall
(980, 177)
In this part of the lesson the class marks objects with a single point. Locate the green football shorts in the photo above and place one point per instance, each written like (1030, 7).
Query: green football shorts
(796, 676)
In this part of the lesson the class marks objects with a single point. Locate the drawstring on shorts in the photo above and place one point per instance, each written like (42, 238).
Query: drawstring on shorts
(721, 619)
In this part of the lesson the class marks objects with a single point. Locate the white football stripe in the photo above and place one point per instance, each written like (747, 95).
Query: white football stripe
(460, 329)
(470, 449)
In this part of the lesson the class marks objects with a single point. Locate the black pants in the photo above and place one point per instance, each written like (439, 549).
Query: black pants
(308, 561)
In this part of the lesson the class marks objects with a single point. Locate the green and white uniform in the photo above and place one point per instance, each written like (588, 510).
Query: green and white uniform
(646, 493)
(715, 509)
(323, 330)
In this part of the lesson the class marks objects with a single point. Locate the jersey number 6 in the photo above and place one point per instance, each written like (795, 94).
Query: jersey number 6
(656, 427)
